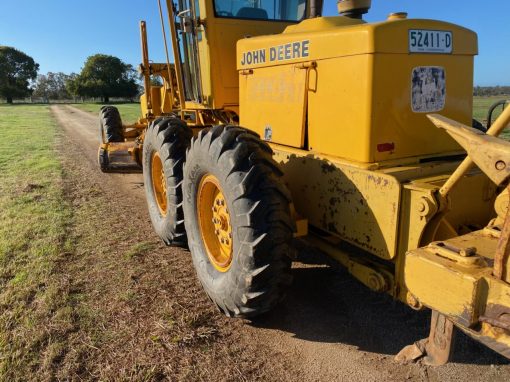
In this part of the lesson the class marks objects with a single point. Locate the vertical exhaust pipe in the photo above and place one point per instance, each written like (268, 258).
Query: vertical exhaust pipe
(354, 9)
(315, 8)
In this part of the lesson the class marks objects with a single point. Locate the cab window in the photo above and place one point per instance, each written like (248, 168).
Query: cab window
(274, 10)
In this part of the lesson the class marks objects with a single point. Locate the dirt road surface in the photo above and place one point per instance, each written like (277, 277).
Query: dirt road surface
(329, 328)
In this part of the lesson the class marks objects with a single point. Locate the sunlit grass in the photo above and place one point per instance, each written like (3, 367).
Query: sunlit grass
(130, 112)
(34, 218)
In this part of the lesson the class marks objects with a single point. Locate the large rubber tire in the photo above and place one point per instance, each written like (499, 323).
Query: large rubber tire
(103, 159)
(170, 138)
(110, 125)
(262, 227)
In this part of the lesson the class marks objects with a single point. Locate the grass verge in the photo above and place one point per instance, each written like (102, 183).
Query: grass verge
(36, 311)
(130, 112)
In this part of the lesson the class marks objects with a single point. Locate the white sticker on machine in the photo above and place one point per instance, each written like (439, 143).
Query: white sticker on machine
(428, 91)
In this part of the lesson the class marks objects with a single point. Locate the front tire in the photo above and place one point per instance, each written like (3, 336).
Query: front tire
(103, 159)
(164, 151)
(238, 220)
(110, 125)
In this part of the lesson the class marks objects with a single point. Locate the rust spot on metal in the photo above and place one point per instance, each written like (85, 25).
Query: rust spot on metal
(385, 147)
(497, 315)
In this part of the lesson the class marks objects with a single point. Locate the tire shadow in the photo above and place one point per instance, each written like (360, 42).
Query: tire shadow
(326, 304)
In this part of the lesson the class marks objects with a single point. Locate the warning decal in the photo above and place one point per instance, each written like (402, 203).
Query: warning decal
(428, 89)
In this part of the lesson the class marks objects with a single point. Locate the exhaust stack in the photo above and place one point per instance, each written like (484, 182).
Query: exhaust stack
(354, 9)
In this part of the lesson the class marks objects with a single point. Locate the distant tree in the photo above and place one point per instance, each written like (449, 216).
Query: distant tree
(51, 86)
(17, 70)
(71, 84)
(105, 76)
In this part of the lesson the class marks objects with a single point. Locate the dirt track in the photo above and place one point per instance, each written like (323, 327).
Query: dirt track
(328, 328)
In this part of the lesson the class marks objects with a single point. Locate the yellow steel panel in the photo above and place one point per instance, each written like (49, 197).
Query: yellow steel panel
(443, 285)
(334, 37)
(355, 204)
(339, 114)
(393, 120)
(143, 105)
(273, 104)
(360, 102)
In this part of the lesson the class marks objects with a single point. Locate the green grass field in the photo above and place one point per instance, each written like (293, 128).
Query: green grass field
(481, 106)
(130, 112)
(34, 220)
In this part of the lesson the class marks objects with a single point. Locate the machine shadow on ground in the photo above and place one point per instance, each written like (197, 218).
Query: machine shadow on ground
(326, 304)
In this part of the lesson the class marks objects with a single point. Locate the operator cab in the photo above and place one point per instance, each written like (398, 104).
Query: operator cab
(208, 32)
(283, 10)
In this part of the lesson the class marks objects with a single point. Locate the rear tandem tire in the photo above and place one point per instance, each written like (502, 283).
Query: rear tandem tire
(110, 130)
(241, 177)
(165, 144)
(103, 159)
(110, 125)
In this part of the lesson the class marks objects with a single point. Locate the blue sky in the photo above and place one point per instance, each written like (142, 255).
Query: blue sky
(61, 34)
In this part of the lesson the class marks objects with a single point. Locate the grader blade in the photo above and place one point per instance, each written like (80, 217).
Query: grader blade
(117, 157)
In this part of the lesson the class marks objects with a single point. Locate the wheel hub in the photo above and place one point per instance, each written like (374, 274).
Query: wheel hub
(159, 183)
(214, 221)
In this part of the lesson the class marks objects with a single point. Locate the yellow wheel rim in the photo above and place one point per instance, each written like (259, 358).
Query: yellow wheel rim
(214, 222)
(159, 183)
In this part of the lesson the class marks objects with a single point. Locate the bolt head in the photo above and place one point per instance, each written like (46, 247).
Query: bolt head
(500, 165)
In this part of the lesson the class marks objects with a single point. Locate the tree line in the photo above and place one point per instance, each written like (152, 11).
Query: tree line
(102, 76)
(486, 91)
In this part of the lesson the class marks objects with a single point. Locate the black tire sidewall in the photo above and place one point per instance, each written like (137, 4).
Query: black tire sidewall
(169, 227)
(217, 284)
(152, 144)
(110, 124)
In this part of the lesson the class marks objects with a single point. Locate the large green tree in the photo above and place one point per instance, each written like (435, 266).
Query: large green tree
(17, 70)
(105, 76)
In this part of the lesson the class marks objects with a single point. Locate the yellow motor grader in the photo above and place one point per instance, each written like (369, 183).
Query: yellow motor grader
(337, 147)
